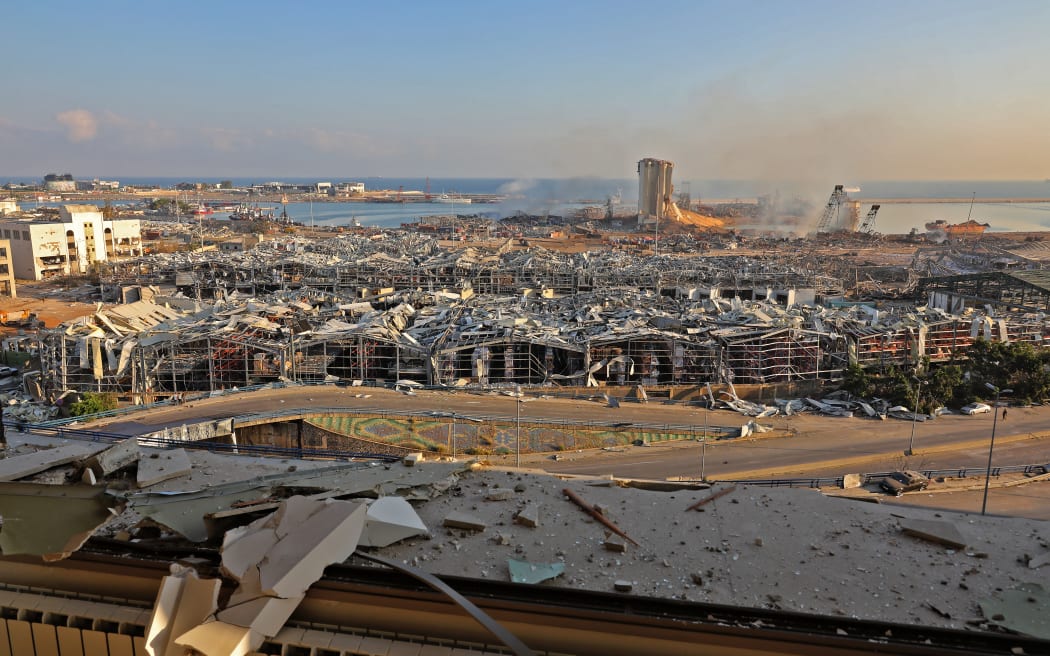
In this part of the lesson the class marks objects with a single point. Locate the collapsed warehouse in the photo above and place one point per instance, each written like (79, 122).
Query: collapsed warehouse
(360, 309)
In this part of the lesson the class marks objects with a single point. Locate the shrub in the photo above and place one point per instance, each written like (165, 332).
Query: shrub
(92, 403)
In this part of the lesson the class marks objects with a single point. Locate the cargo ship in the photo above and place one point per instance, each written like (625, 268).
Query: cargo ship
(966, 229)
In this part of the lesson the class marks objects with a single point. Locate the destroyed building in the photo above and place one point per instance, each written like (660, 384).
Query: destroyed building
(396, 307)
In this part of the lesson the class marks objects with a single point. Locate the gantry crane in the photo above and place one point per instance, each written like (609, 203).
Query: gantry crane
(868, 226)
(838, 196)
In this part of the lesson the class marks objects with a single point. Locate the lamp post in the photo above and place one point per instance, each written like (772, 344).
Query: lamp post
(914, 416)
(703, 449)
(517, 432)
(991, 445)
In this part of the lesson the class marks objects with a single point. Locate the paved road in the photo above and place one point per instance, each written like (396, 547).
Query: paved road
(820, 447)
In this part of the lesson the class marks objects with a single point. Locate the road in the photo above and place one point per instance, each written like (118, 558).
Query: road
(819, 447)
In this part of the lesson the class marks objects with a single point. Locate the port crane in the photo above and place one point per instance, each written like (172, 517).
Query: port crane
(831, 210)
(868, 226)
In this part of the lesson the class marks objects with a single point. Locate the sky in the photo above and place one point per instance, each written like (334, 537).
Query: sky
(735, 89)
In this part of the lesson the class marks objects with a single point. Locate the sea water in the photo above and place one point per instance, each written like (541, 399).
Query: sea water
(561, 197)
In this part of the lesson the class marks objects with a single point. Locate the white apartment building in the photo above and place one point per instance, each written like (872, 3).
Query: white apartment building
(71, 245)
(7, 273)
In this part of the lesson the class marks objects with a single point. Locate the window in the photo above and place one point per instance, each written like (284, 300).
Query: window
(25, 235)
(7, 233)
(3, 252)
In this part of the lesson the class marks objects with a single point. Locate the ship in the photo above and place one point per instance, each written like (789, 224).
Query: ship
(445, 198)
(964, 229)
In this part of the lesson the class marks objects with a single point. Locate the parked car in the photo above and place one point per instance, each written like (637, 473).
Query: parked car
(976, 409)
(900, 482)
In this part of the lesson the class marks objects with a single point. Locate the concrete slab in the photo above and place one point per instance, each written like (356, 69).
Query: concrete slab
(51, 521)
(157, 467)
(12, 469)
(122, 454)
(934, 531)
(458, 519)
(529, 516)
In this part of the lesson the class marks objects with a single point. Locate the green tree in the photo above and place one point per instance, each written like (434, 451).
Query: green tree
(857, 381)
(91, 403)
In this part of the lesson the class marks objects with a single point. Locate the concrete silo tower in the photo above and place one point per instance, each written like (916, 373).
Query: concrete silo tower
(654, 189)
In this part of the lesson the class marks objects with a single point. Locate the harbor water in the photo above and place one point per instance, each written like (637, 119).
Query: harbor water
(562, 197)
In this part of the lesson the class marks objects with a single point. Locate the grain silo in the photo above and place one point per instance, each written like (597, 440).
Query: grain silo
(654, 189)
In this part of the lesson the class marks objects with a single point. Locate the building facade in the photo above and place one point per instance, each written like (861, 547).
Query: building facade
(7, 270)
(71, 245)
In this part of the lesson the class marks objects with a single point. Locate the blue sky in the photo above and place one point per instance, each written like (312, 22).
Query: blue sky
(747, 89)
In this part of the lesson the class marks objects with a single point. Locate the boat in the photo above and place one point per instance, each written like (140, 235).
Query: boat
(247, 212)
(966, 228)
(202, 210)
(445, 198)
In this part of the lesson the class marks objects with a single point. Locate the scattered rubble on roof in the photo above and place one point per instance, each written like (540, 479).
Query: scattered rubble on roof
(1024, 608)
(748, 542)
(525, 572)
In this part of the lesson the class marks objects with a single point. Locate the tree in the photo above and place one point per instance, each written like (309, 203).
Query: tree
(857, 381)
(92, 403)
(226, 184)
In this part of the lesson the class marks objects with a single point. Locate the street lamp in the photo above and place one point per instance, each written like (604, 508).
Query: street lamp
(991, 445)
(914, 416)
(703, 448)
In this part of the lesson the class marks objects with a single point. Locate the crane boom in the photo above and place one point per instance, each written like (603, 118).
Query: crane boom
(838, 196)
(868, 226)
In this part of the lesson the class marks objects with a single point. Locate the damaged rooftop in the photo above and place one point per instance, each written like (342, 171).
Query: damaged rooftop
(248, 538)
(724, 545)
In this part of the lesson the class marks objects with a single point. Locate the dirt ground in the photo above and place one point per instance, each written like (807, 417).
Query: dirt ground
(52, 304)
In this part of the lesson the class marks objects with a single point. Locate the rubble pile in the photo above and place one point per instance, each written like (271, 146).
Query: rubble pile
(787, 549)
(683, 334)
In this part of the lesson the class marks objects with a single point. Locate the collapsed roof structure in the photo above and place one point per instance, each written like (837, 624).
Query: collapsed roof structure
(396, 307)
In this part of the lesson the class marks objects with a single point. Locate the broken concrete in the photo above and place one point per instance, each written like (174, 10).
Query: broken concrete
(529, 516)
(12, 469)
(276, 559)
(52, 521)
(165, 465)
(122, 454)
(457, 519)
(934, 531)
(390, 520)
(183, 602)
(1024, 609)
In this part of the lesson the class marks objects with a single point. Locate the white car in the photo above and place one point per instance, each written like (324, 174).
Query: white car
(976, 408)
